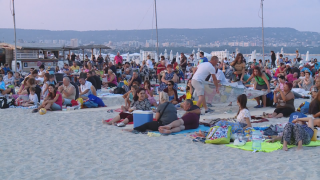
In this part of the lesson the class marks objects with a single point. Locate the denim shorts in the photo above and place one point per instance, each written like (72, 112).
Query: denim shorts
(55, 107)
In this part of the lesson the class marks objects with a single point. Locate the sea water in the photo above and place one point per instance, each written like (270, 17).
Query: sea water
(256, 140)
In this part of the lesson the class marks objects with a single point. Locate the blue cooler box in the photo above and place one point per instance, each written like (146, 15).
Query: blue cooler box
(141, 117)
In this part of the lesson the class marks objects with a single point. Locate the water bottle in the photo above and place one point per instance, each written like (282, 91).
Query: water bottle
(256, 140)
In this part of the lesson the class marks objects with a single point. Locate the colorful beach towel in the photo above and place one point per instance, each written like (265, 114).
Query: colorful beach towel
(108, 120)
(269, 147)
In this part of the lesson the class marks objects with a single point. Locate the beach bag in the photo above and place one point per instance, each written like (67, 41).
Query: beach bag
(80, 101)
(315, 132)
(96, 100)
(90, 104)
(219, 135)
(119, 91)
(4, 103)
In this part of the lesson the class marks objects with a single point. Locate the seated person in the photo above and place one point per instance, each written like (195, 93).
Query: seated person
(86, 88)
(3, 88)
(6, 68)
(109, 80)
(67, 90)
(285, 102)
(33, 98)
(17, 79)
(140, 103)
(75, 68)
(149, 93)
(126, 75)
(96, 76)
(281, 71)
(307, 82)
(170, 75)
(292, 77)
(129, 98)
(9, 79)
(91, 79)
(190, 120)
(301, 78)
(173, 95)
(243, 116)
(52, 102)
(166, 113)
(296, 133)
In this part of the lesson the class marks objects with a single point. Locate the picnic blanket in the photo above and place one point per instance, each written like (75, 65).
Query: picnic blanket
(269, 147)
(108, 120)
(228, 93)
(201, 127)
(21, 107)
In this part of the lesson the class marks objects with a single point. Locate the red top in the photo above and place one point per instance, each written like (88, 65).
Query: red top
(175, 65)
(161, 69)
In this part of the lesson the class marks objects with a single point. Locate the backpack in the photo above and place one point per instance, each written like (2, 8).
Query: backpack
(119, 91)
(90, 104)
(4, 103)
(96, 100)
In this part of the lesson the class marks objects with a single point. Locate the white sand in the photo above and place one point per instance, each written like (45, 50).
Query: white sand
(75, 145)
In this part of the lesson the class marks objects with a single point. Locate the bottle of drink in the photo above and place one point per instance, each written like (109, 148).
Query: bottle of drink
(256, 140)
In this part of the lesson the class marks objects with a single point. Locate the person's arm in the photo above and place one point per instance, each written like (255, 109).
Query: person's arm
(55, 99)
(275, 97)
(175, 78)
(150, 92)
(157, 116)
(131, 81)
(215, 81)
(248, 79)
(266, 81)
(84, 92)
(195, 111)
(316, 115)
(163, 79)
(247, 122)
(68, 93)
(275, 139)
(242, 73)
(126, 94)
(111, 78)
(309, 120)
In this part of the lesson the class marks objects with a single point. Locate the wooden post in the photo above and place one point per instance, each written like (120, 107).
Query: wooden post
(100, 51)
(83, 54)
(92, 53)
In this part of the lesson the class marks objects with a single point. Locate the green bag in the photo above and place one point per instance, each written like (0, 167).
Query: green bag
(219, 135)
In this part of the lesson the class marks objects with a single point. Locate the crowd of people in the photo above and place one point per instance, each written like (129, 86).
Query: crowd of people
(41, 85)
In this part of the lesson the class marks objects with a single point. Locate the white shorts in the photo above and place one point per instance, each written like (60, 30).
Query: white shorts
(198, 87)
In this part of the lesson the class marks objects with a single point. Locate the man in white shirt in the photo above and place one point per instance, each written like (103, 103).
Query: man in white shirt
(149, 62)
(202, 71)
(85, 88)
(19, 69)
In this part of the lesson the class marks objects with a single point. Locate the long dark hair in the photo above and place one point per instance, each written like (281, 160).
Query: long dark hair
(46, 77)
(188, 88)
(173, 61)
(258, 69)
(239, 56)
(148, 82)
(135, 98)
(242, 99)
(52, 95)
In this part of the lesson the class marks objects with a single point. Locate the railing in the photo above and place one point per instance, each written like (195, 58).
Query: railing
(27, 56)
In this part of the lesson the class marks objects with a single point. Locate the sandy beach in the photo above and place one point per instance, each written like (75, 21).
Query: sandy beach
(76, 145)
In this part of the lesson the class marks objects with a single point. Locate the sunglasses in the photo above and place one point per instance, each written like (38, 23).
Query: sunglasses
(169, 84)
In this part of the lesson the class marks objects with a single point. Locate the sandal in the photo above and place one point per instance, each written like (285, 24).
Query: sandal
(258, 106)
(121, 124)
(35, 111)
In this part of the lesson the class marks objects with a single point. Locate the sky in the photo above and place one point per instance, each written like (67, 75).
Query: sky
(83, 15)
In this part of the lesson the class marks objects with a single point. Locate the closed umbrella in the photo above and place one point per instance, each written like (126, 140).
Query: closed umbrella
(171, 55)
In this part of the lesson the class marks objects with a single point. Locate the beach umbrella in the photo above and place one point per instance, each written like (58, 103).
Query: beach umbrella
(128, 57)
(141, 55)
(195, 61)
(198, 53)
(165, 54)
(161, 55)
(282, 51)
(171, 55)
(278, 57)
(307, 56)
(177, 58)
(156, 59)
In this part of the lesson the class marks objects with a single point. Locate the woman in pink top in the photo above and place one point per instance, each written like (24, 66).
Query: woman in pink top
(53, 101)
(111, 79)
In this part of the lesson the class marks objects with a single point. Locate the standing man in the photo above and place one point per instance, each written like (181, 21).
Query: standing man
(149, 63)
(100, 62)
(202, 71)
(118, 59)
(202, 58)
(273, 59)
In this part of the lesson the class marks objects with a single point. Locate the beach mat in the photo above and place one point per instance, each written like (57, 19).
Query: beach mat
(201, 127)
(269, 147)
(108, 120)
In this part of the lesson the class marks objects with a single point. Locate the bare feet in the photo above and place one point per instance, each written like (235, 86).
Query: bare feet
(164, 131)
(104, 122)
(128, 130)
(165, 127)
(285, 148)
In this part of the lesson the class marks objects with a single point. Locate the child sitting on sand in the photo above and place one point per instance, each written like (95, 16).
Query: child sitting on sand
(33, 98)
(149, 93)
(129, 98)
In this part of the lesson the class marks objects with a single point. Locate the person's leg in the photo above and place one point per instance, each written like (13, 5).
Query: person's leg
(297, 95)
(258, 100)
(173, 130)
(153, 126)
(280, 115)
(316, 122)
(55, 107)
(48, 106)
(174, 124)
(264, 100)
(287, 136)
(114, 120)
(300, 136)
(128, 119)
(66, 101)
(175, 102)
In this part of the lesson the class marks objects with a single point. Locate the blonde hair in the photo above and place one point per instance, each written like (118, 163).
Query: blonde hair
(164, 97)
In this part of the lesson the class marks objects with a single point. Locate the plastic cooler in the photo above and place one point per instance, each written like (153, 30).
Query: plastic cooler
(141, 117)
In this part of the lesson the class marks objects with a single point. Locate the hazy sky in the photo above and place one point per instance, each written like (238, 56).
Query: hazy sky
(138, 14)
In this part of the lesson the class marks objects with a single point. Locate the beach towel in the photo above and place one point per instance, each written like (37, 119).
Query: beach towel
(108, 120)
(201, 127)
(269, 147)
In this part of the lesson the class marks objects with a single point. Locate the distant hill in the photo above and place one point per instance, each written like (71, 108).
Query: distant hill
(170, 35)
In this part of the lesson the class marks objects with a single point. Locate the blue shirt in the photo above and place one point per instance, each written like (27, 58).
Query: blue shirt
(281, 60)
(6, 70)
(204, 59)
